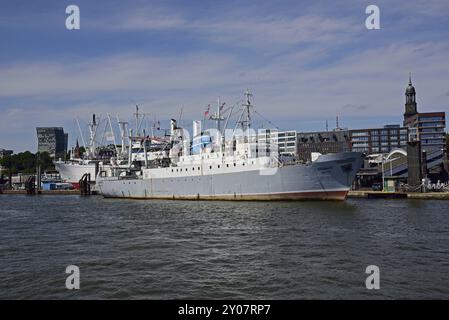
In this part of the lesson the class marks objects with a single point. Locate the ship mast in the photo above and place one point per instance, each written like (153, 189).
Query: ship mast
(218, 118)
(137, 120)
(123, 129)
(112, 132)
(247, 106)
(93, 132)
(245, 116)
(81, 132)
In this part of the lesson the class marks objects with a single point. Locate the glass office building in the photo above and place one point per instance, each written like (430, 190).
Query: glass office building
(52, 140)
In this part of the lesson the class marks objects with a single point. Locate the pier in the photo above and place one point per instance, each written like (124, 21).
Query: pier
(398, 195)
(41, 192)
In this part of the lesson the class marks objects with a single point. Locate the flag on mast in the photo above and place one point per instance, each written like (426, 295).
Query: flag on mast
(206, 114)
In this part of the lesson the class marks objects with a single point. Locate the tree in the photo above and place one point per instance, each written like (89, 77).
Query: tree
(26, 162)
(82, 150)
(45, 162)
(7, 163)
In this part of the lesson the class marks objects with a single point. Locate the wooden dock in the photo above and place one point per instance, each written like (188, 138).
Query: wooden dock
(43, 192)
(398, 195)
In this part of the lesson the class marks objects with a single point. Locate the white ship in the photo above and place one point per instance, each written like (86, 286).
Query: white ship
(74, 169)
(214, 166)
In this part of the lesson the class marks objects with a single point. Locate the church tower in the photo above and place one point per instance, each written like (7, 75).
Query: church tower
(410, 100)
(77, 151)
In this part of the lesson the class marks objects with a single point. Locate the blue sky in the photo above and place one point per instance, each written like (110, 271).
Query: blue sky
(305, 61)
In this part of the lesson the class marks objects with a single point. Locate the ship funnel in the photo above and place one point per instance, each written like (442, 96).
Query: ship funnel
(173, 125)
(173, 128)
(186, 148)
(196, 128)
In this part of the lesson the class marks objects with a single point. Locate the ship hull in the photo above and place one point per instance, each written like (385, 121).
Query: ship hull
(73, 172)
(328, 178)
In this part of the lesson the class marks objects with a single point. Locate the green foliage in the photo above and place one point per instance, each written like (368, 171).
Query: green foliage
(46, 162)
(82, 151)
(25, 162)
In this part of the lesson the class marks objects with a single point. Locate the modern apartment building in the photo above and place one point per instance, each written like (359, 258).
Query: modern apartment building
(431, 128)
(52, 140)
(378, 140)
(286, 141)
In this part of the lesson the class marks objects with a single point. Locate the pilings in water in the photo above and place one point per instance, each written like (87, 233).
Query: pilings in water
(38, 173)
(30, 185)
(414, 159)
(84, 184)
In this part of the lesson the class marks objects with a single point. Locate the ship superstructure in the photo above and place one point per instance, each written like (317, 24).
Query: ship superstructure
(229, 164)
(96, 155)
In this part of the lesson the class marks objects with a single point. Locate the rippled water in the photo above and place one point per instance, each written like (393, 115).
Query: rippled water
(181, 249)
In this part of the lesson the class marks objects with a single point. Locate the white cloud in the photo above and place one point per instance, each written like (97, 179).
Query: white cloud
(375, 78)
(243, 27)
(118, 73)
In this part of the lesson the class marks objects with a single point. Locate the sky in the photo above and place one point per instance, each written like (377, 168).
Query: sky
(305, 62)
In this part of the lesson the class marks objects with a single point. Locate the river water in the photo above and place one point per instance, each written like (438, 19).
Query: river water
(128, 249)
